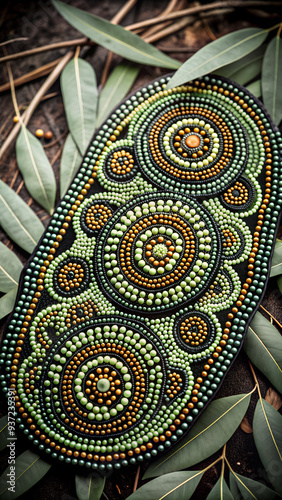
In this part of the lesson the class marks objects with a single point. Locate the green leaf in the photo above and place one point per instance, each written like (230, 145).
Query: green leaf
(10, 269)
(175, 486)
(71, 159)
(253, 60)
(4, 434)
(255, 88)
(220, 491)
(7, 302)
(116, 88)
(267, 425)
(233, 487)
(36, 169)
(272, 79)
(213, 429)
(89, 488)
(218, 53)
(114, 37)
(29, 469)
(254, 490)
(276, 263)
(18, 220)
(80, 96)
(263, 345)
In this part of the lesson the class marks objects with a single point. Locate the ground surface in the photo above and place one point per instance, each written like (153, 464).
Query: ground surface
(42, 25)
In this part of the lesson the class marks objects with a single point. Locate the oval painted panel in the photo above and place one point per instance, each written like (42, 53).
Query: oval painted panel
(135, 302)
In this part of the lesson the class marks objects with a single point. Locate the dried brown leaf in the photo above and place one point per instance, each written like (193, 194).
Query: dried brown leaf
(273, 398)
(246, 426)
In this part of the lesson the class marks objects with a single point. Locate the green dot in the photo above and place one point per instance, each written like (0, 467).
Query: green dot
(103, 385)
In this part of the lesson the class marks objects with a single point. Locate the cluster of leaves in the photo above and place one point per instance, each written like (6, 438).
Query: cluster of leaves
(249, 58)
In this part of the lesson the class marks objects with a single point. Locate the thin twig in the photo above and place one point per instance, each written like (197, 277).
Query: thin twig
(136, 479)
(170, 29)
(13, 40)
(32, 75)
(36, 100)
(20, 187)
(13, 93)
(57, 155)
(45, 48)
(202, 8)
(173, 5)
(269, 314)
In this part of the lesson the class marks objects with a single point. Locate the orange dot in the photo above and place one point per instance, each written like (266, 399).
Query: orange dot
(192, 141)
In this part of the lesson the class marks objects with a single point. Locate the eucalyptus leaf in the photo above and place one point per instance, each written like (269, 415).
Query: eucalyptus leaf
(4, 434)
(70, 162)
(80, 96)
(263, 346)
(272, 79)
(246, 75)
(114, 37)
(89, 488)
(242, 64)
(18, 220)
(276, 263)
(10, 269)
(224, 50)
(267, 425)
(36, 169)
(7, 302)
(255, 88)
(116, 88)
(251, 489)
(213, 429)
(175, 486)
(29, 469)
(220, 491)
(234, 487)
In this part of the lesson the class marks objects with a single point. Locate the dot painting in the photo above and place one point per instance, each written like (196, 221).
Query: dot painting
(136, 300)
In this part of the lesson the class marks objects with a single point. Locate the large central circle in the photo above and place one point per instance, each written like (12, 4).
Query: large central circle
(158, 252)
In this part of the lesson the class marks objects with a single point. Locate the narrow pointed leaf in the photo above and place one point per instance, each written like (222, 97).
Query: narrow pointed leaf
(80, 95)
(175, 486)
(255, 88)
(4, 434)
(267, 425)
(272, 79)
(276, 263)
(242, 64)
(114, 37)
(213, 429)
(254, 490)
(89, 488)
(116, 87)
(218, 53)
(18, 220)
(7, 302)
(246, 75)
(29, 469)
(263, 345)
(220, 491)
(234, 487)
(10, 269)
(71, 159)
(36, 169)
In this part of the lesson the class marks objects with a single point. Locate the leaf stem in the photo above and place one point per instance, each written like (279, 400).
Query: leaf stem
(255, 378)
(269, 314)
(13, 93)
(35, 101)
(136, 479)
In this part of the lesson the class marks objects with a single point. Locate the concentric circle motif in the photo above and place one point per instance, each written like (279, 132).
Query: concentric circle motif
(120, 165)
(239, 196)
(94, 216)
(195, 331)
(71, 277)
(191, 147)
(158, 252)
